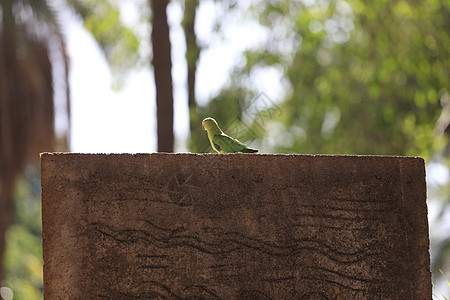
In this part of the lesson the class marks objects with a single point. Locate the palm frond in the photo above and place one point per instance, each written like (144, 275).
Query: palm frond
(29, 34)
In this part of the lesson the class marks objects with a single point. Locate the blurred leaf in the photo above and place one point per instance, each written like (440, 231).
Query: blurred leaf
(23, 257)
(118, 42)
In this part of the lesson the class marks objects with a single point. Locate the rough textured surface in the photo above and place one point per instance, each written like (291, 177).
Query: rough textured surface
(187, 226)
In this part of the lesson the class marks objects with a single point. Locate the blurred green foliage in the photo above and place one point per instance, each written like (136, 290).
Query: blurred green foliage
(23, 257)
(118, 41)
(362, 77)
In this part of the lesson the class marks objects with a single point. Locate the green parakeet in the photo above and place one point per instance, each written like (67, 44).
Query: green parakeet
(221, 142)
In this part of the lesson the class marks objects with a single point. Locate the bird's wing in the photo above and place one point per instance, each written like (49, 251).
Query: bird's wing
(227, 144)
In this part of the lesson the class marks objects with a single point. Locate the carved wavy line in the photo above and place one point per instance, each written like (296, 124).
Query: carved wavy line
(294, 244)
(130, 233)
(162, 256)
(202, 289)
(315, 268)
(143, 295)
(332, 282)
(251, 293)
(152, 267)
(186, 291)
(354, 228)
(337, 199)
(333, 217)
(165, 242)
(362, 210)
(172, 231)
(132, 190)
(354, 278)
(162, 286)
(308, 296)
(275, 250)
(234, 244)
(235, 248)
(279, 279)
(143, 199)
(153, 200)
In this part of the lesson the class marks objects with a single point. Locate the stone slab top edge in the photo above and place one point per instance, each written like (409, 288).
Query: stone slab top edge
(230, 154)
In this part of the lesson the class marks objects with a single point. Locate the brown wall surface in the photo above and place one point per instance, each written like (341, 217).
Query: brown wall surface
(234, 226)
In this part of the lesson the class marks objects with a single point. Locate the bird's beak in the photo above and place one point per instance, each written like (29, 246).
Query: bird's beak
(203, 127)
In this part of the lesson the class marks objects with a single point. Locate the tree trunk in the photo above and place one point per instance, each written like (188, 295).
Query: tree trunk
(7, 156)
(26, 100)
(162, 64)
(192, 57)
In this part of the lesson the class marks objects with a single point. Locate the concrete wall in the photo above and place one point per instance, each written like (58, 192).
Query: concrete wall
(190, 226)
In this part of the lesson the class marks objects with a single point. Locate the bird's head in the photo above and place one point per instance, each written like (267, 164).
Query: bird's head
(209, 123)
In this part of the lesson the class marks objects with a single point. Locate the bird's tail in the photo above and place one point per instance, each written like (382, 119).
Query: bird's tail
(249, 150)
